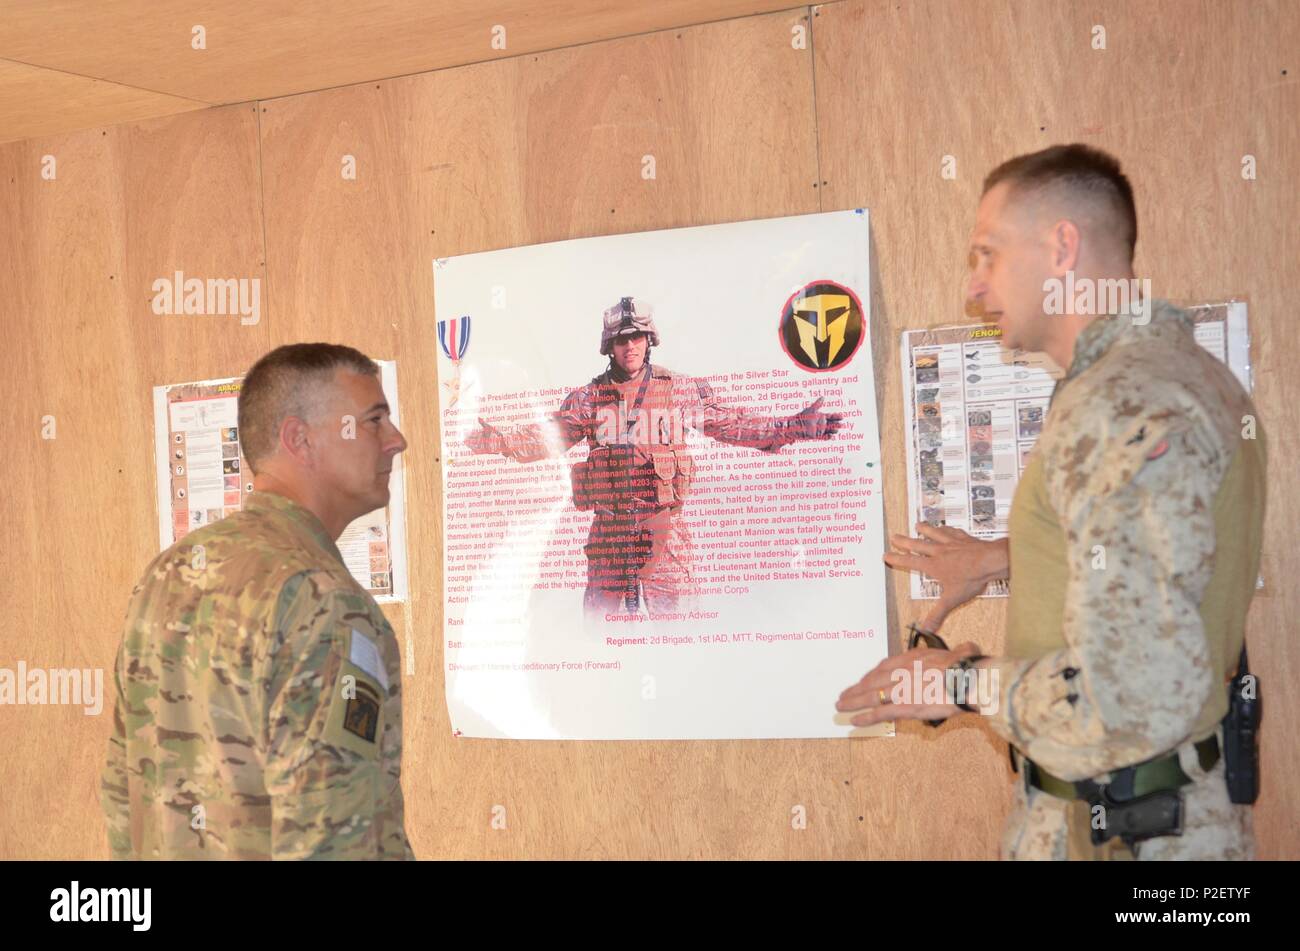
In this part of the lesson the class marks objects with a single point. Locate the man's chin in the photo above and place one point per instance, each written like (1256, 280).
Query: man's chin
(1009, 338)
(375, 500)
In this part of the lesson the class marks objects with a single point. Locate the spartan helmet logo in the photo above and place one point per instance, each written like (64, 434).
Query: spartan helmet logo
(821, 326)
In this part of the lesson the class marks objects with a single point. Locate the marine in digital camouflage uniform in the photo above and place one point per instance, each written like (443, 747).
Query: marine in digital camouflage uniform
(1133, 546)
(1135, 539)
(258, 687)
(638, 472)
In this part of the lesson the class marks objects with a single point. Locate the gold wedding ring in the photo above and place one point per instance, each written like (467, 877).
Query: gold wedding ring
(883, 699)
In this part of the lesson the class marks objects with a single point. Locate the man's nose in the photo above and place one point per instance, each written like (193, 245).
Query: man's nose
(976, 288)
(397, 443)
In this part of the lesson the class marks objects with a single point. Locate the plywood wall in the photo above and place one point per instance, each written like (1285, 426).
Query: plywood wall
(545, 147)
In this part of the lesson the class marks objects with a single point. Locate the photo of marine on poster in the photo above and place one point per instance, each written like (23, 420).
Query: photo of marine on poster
(662, 485)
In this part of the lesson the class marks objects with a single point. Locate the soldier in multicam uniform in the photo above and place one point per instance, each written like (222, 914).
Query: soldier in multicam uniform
(638, 472)
(258, 685)
(1133, 552)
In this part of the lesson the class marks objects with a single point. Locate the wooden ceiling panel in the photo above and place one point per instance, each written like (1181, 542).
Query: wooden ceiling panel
(281, 47)
(36, 102)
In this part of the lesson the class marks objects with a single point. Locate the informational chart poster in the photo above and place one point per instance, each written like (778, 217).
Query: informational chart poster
(202, 477)
(685, 551)
(974, 412)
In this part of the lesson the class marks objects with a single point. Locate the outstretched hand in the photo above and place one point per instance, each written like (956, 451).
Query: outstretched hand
(892, 691)
(485, 439)
(811, 423)
(962, 564)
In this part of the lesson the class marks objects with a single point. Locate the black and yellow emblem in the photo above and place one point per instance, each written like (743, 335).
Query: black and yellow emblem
(361, 717)
(821, 326)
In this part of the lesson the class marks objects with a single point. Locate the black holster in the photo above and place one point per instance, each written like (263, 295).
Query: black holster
(1142, 817)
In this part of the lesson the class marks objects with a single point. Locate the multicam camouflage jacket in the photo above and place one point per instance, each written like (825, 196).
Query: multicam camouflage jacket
(258, 701)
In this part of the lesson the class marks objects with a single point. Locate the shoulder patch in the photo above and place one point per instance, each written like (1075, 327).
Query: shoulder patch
(361, 717)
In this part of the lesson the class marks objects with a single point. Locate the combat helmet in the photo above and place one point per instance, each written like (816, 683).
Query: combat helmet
(624, 318)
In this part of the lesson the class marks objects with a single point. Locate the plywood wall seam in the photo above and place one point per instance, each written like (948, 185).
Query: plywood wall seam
(407, 636)
(261, 210)
(816, 120)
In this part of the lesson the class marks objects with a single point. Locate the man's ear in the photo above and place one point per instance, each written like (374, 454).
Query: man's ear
(1063, 240)
(296, 440)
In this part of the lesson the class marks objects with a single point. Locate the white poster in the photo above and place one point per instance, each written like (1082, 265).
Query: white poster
(679, 537)
(974, 412)
(202, 476)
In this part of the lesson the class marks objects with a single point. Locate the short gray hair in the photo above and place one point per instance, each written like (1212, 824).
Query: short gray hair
(284, 383)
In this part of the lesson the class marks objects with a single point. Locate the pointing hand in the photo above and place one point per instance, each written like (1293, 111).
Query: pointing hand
(811, 423)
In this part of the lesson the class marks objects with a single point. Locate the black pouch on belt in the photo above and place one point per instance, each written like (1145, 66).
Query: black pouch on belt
(1143, 817)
